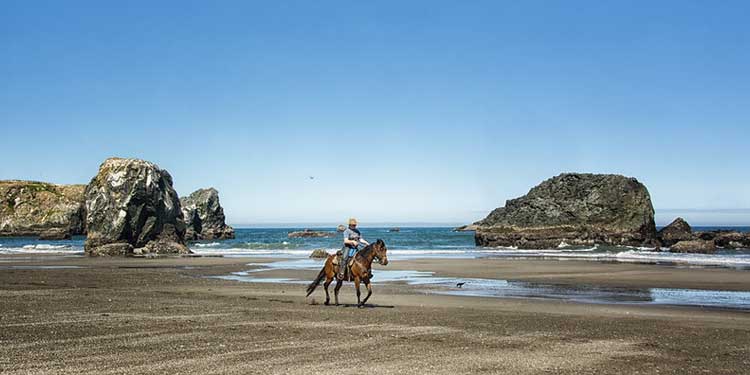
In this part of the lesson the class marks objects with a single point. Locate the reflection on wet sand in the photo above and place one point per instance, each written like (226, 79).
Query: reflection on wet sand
(478, 287)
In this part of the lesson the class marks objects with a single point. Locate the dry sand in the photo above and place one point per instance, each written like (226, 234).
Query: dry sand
(117, 316)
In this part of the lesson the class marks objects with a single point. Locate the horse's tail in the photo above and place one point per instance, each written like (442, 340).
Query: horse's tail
(316, 282)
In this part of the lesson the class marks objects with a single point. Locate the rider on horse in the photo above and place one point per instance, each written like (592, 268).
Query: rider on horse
(352, 239)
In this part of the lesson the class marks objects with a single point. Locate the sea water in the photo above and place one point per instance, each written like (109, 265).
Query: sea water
(407, 243)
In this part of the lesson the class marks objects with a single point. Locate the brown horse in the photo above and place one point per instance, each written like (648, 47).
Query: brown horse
(359, 271)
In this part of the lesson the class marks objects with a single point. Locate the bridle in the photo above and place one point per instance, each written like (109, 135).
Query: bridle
(378, 257)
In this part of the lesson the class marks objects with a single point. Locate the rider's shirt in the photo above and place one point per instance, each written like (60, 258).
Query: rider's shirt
(352, 235)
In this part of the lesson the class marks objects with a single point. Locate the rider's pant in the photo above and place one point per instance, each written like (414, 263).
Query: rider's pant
(347, 253)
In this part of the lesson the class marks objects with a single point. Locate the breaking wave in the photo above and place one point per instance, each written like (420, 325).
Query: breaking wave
(42, 249)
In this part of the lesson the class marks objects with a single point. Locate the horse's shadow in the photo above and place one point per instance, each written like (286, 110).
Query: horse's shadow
(365, 306)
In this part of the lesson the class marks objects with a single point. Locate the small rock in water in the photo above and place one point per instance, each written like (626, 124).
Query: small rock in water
(55, 234)
(309, 233)
(696, 246)
(319, 254)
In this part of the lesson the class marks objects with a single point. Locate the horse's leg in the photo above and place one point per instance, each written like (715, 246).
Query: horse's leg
(356, 286)
(325, 285)
(369, 290)
(336, 290)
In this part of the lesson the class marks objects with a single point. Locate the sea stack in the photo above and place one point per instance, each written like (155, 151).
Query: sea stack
(50, 211)
(678, 230)
(132, 208)
(576, 209)
(204, 216)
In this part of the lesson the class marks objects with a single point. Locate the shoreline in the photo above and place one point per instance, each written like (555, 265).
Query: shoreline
(541, 270)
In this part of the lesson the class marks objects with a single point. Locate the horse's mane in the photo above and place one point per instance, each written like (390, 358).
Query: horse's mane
(365, 252)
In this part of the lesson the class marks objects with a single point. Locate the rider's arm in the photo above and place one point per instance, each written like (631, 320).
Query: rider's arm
(347, 241)
(362, 240)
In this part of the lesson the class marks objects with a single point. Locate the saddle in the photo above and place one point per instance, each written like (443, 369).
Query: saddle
(337, 262)
(339, 256)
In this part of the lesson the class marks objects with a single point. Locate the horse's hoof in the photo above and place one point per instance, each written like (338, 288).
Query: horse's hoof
(326, 303)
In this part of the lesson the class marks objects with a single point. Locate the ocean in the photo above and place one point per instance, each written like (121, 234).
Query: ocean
(408, 243)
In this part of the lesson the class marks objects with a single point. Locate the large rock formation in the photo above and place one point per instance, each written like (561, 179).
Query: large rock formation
(576, 209)
(204, 216)
(133, 208)
(29, 208)
(678, 230)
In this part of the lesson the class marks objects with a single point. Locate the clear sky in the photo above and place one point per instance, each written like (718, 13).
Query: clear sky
(403, 111)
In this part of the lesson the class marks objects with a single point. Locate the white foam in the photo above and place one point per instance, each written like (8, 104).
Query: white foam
(694, 259)
(42, 249)
(635, 256)
(631, 255)
(45, 246)
(513, 250)
(212, 244)
(253, 252)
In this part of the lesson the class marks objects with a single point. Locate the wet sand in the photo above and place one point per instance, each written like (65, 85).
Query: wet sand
(118, 316)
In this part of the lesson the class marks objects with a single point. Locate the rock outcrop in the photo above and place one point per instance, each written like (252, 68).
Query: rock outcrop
(694, 246)
(733, 240)
(131, 207)
(680, 233)
(30, 208)
(340, 228)
(309, 233)
(204, 216)
(319, 254)
(727, 239)
(55, 234)
(574, 208)
(678, 230)
(466, 228)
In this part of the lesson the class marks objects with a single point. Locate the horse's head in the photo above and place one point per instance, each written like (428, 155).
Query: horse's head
(380, 252)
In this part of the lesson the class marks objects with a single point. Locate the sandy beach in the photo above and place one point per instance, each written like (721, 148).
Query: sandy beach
(114, 315)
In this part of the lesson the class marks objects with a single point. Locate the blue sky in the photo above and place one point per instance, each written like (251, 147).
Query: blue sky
(402, 111)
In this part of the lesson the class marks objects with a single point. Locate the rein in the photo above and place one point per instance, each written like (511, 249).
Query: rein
(365, 254)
